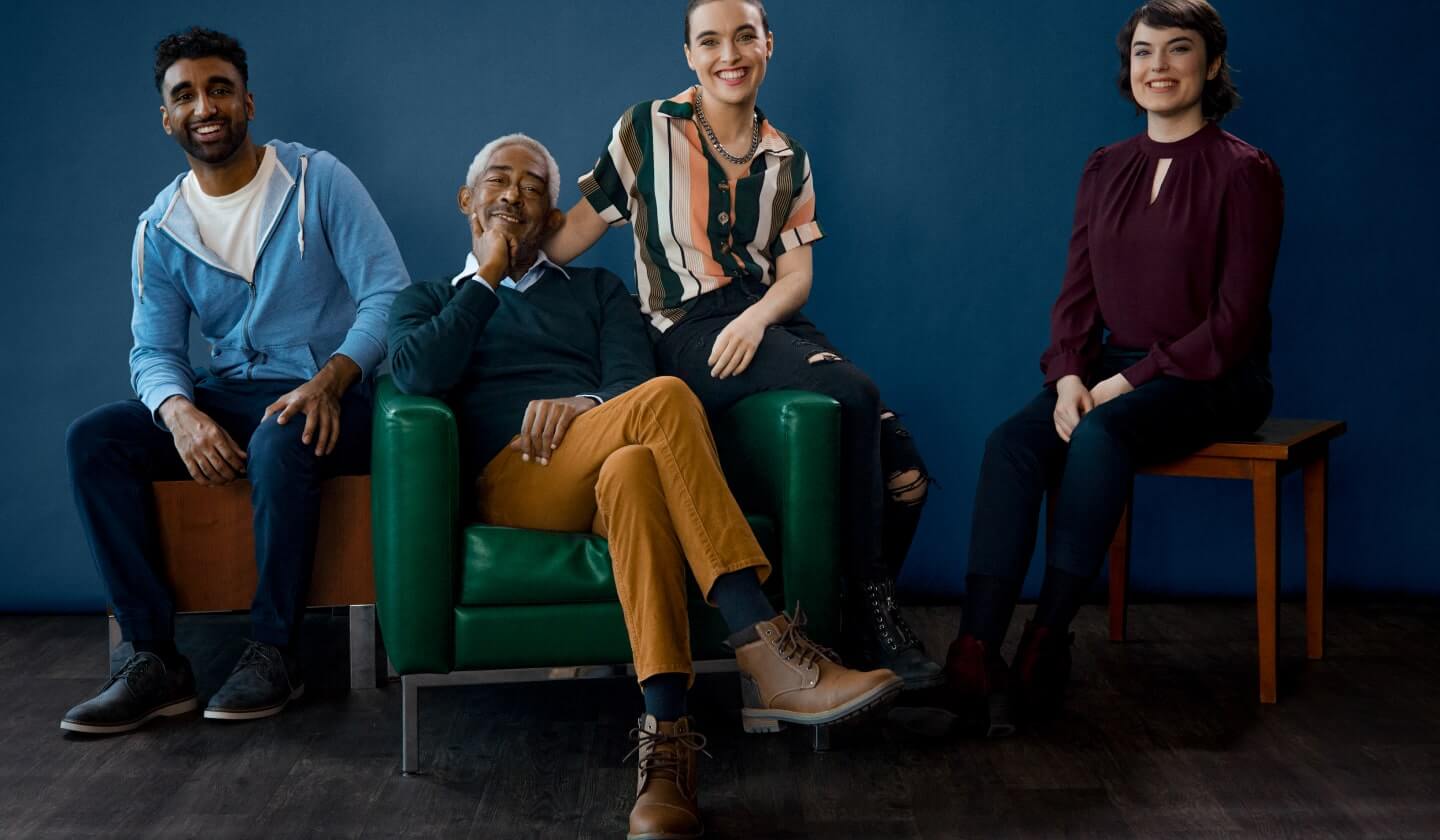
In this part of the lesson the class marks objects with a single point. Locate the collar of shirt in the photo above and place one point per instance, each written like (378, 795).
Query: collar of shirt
(680, 107)
(472, 268)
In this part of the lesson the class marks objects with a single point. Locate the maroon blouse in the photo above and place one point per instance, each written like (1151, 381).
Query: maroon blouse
(1187, 277)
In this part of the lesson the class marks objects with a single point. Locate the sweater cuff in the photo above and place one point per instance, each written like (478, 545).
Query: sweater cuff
(363, 350)
(1062, 365)
(155, 398)
(1142, 371)
(481, 302)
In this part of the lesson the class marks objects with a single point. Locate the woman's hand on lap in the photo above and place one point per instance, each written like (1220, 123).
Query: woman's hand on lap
(1073, 401)
(1115, 386)
(735, 346)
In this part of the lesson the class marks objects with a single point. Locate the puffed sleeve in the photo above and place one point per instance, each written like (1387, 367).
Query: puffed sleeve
(1075, 322)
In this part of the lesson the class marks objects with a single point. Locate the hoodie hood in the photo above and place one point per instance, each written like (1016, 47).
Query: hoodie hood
(170, 213)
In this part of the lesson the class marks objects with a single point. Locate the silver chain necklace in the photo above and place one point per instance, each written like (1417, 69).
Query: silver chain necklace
(715, 141)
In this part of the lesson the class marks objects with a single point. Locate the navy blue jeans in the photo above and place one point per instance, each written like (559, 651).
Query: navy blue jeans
(115, 452)
(1089, 478)
(880, 508)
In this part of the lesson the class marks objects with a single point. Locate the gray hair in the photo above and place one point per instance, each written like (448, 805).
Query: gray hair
(482, 162)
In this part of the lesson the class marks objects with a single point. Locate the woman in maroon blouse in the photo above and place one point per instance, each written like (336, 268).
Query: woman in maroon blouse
(1160, 341)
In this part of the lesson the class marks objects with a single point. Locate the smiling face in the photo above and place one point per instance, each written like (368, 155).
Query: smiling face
(1168, 69)
(206, 108)
(513, 194)
(728, 49)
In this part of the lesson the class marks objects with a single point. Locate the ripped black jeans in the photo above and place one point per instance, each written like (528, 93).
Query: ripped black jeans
(883, 479)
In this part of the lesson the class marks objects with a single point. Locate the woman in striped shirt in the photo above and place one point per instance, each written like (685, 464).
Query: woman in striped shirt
(722, 205)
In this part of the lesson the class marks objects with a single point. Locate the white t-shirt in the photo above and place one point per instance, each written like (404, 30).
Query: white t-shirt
(230, 224)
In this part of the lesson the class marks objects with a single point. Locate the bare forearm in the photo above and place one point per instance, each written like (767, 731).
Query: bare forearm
(339, 374)
(174, 408)
(583, 228)
(784, 298)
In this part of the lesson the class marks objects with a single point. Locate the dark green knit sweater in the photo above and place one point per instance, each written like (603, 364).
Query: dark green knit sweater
(490, 353)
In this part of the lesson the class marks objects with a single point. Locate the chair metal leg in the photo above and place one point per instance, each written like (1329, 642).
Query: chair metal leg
(115, 641)
(368, 663)
(410, 726)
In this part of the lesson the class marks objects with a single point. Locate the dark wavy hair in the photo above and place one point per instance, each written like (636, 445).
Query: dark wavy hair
(695, 4)
(1220, 95)
(197, 42)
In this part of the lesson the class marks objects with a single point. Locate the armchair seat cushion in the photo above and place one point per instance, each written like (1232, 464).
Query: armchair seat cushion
(516, 567)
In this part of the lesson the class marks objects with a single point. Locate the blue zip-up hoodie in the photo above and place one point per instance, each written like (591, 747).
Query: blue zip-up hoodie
(326, 271)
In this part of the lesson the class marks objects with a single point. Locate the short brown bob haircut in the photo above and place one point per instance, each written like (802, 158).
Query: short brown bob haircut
(1220, 96)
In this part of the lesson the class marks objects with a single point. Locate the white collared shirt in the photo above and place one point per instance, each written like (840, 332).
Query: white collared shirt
(472, 269)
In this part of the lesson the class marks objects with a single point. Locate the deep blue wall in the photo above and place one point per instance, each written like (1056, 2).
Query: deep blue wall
(947, 138)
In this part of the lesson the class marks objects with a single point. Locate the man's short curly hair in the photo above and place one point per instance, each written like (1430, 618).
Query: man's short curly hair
(482, 162)
(197, 42)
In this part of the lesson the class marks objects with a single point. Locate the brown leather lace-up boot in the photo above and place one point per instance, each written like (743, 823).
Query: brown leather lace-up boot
(666, 804)
(787, 678)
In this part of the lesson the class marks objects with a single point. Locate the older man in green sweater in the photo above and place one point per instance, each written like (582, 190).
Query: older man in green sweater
(565, 429)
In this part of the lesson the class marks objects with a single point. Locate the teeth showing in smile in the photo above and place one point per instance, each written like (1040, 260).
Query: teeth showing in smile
(207, 130)
(1163, 84)
(505, 218)
(733, 75)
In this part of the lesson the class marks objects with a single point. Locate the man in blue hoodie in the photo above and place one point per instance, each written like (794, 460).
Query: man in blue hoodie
(289, 268)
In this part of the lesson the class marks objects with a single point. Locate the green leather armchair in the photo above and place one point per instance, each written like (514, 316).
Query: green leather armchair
(461, 602)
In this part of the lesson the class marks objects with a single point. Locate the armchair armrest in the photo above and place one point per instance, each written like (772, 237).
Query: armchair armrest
(779, 451)
(415, 513)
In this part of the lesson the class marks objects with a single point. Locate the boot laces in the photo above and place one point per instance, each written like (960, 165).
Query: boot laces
(656, 762)
(794, 644)
(893, 629)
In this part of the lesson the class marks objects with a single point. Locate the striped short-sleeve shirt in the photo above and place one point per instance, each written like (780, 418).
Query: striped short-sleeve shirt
(657, 174)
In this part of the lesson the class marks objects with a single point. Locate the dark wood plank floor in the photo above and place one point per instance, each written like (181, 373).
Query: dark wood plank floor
(1163, 737)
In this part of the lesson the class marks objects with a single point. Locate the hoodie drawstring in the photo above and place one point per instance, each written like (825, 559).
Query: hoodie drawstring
(304, 161)
(140, 258)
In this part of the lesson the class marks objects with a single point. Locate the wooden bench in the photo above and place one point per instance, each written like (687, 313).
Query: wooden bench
(1279, 447)
(208, 556)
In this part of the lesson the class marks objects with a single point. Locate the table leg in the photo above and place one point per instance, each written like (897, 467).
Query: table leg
(1120, 574)
(1265, 484)
(1315, 536)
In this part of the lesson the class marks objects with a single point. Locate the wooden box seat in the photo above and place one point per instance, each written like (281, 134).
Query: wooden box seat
(207, 552)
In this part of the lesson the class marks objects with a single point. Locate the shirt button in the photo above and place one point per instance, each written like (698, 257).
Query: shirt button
(724, 217)
(724, 185)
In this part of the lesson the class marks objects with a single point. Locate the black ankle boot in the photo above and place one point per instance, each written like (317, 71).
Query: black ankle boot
(1041, 672)
(878, 637)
